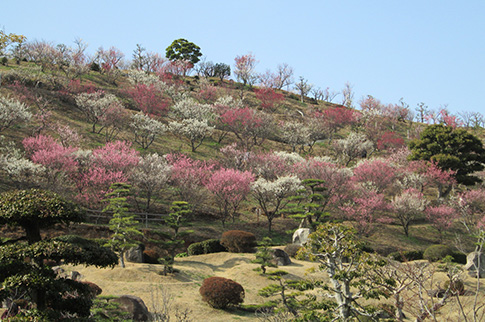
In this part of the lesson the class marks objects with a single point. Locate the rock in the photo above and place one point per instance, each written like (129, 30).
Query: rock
(475, 260)
(280, 257)
(300, 236)
(437, 292)
(135, 306)
(135, 254)
(75, 275)
(58, 270)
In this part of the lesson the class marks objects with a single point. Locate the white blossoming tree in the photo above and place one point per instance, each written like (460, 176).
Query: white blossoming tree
(193, 123)
(354, 146)
(150, 177)
(95, 107)
(12, 112)
(192, 129)
(146, 129)
(272, 196)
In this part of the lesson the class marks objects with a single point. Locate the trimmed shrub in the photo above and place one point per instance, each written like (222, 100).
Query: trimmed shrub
(151, 256)
(220, 292)
(459, 258)
(407, 255)
(457, 287)
(435, 253)
(292, 249)
(238, 241)
(208, 246)
(195, 249)
(212, 246)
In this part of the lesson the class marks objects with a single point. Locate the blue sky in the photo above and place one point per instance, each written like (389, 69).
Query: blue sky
(423, 51)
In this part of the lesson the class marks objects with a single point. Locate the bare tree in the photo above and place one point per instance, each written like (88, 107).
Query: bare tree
(348, 95)
(303, 88)
(284, 76)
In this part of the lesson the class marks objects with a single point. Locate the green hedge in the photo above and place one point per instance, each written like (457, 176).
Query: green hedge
(407, 255)
(205, 247)
(436, 253)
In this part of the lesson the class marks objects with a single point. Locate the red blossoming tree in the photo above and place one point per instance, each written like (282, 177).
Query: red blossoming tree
(230, 187)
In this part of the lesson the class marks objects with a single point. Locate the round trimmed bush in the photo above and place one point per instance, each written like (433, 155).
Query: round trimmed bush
(195, 249)
(435, 253)
(238, 241)
(459, 258)
(220, 292)
(95, 290)
(212, 246)
(208, 246)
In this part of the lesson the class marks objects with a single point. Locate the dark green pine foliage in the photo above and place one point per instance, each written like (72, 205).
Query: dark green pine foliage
(452, 149)
(23, 270)
(182, 49)
(303, 306)
(173, 240)
(309, 204)
(264, 255)
(123, 225)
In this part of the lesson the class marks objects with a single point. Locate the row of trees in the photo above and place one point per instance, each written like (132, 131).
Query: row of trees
(367, 193)
(182, 56)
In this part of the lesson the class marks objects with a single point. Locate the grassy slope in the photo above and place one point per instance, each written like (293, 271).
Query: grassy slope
(386, 238)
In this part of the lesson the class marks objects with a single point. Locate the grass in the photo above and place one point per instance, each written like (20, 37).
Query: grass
(385, 238)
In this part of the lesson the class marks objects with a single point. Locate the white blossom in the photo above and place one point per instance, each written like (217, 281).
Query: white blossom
(290, 157)
(150, 176)
(192, 129)
(12, 112)
(146, 129)
(354, 146)
(229, 101)
(95, 106)
(190, 109)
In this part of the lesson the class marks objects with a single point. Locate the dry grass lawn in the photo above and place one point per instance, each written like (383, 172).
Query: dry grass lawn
(144, 280)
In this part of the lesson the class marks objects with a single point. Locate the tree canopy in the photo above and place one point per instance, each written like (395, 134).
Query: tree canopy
(24, 273)
(451, 149)
(35, 209)
(182, 49)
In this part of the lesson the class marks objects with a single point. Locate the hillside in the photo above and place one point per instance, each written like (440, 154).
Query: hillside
(51, 95)
(214, 143)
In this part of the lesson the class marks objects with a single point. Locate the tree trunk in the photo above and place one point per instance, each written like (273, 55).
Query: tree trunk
(32, 232)
(122, 259)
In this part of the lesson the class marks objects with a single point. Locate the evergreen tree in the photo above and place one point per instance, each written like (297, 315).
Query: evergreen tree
(123, 225)
(23, 270)
(308, 205)
(452, 149)
(179, 211)
(264, 255)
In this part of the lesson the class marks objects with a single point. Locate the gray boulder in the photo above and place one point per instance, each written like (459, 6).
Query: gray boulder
(300, 236)
(135, 306)
(280, 257)
(475, 264)
(135, 254)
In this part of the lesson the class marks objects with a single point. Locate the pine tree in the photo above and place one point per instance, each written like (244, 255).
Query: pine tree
(123, 225)
(264, 255)
(173, 241)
